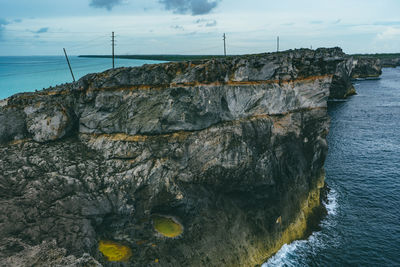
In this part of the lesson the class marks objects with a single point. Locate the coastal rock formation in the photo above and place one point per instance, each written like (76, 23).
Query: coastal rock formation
(366, 68)
(391, 61)
(341, 86)
(230, 152)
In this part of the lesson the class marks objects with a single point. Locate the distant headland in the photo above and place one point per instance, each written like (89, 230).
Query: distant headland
(388, 60)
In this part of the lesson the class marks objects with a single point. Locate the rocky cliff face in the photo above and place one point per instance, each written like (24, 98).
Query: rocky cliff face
(229, 152)
(366, 68)
(390, 62)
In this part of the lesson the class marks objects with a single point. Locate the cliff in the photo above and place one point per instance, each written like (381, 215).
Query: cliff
(209, 163)
(385, 60)
(366, 68)
(391, 62)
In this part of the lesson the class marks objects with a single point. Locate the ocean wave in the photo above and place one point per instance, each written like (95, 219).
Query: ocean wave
(332, 203)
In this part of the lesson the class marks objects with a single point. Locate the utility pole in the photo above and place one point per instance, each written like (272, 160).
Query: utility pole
(113, 43)
(277, 44)
(224, 44)
(69, 65)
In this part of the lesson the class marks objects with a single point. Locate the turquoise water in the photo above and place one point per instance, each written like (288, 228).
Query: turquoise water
(27, 74)
(362, 227)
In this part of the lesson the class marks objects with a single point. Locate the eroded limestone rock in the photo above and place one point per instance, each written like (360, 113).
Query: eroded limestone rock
(366, 68)
(232, 148)
(47, 123)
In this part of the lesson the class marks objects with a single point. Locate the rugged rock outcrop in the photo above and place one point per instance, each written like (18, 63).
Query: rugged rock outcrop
(341, 86)
(366, 68)
(231, 149)
(391, 62)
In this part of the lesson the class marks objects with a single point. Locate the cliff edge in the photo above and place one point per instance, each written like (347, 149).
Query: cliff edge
(209, 163)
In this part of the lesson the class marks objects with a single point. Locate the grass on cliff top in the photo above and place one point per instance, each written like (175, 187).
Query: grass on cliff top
(167, 227)
(114, 251)
(380, 56)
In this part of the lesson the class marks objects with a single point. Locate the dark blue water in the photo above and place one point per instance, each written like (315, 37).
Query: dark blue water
(22, 74)
(363, 169)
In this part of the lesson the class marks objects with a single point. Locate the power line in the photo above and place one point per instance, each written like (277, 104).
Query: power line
(97, 42)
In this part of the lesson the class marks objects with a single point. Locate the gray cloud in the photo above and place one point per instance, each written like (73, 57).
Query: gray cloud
(177, 27)
(200, 21)
(194, 7)
(108, 4)
(190, 33)
(42, 30)
(206, 22)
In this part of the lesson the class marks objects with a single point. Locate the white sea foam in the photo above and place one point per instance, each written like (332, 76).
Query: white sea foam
(282, 257)
(332, 204)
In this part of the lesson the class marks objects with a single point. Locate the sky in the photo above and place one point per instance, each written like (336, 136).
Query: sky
(44, 27)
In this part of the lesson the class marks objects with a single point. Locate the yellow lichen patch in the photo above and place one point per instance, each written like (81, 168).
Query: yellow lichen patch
(125, 137)
(180, 136)
(114, 251)
(198, 84)
(20, 141)
(177, 136)
(167, 226)
(141, 242)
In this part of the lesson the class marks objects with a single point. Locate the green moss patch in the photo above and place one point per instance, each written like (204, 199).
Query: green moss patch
(167, 226)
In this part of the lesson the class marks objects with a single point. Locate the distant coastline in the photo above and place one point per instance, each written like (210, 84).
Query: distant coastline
(158, 57)
(387, 60)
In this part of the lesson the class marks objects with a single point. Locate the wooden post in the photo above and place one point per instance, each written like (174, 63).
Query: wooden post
(277, 44)
(224, 44)
(113, 61)
(69, 65)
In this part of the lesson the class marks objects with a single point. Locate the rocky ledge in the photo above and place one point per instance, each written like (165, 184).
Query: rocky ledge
(391, 62)
(209, 163)
(366, 67)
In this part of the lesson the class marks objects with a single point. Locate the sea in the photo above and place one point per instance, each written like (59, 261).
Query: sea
(362, 227)
(27, 74)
